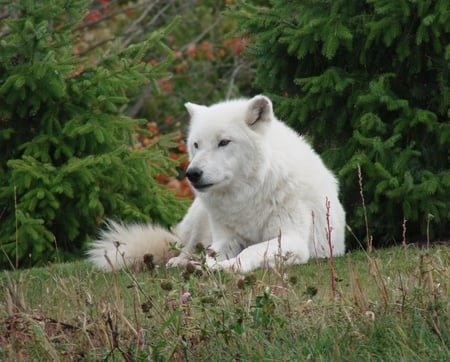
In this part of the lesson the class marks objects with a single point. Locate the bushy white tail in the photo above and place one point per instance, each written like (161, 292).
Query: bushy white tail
(124, 245)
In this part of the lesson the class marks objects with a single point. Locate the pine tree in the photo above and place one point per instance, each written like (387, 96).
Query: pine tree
(67, 159)
(369, 83)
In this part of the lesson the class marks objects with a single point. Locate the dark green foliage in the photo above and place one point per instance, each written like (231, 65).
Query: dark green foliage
(67, 159)
(369, 81)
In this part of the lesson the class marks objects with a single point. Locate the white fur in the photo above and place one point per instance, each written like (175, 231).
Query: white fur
(121, 245)
(262, 192)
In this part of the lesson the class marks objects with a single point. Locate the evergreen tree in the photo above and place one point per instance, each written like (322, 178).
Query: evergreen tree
(369, 82)
(67, 159)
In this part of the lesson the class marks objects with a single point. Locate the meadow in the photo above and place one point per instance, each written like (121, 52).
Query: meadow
(389, 305)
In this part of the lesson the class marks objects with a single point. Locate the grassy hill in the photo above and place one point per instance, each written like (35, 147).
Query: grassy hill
(391, 305)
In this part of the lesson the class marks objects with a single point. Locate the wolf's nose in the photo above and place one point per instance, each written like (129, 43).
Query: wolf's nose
(194, 174)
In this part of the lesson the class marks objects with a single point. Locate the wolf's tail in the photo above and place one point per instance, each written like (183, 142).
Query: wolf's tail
(125, 245)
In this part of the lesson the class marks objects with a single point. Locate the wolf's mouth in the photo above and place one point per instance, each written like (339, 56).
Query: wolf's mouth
(202, 187)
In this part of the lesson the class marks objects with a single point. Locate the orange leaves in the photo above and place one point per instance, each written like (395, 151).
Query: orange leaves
(182, 147)
(181, 66)
(77, 71)
(165, 84)
(181, 187)
(93, 15)
(207, 50)
(191, 50)
(236, 45)
(97, 14)
(221, 53)
(153, 128)
(177, 153)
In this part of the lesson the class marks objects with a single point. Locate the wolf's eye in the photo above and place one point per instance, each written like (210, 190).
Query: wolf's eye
(195, 145)
(223, 143)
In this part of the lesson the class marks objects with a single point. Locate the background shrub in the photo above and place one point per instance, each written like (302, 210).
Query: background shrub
(67, 155)
(369, 82)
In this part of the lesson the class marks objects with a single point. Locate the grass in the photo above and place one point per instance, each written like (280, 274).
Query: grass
(391, 305)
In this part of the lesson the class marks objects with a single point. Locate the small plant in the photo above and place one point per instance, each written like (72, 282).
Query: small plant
(264, 313)
(329, 230)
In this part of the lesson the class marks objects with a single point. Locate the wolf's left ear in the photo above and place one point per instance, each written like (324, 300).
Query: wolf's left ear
(193, 108)
(259, 110)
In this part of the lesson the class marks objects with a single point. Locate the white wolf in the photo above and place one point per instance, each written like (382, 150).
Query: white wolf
(261, 193)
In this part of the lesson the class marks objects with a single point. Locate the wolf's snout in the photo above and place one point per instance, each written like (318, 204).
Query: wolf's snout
(194, 174)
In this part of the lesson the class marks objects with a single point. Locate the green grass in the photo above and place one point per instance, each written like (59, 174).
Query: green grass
(390, 306)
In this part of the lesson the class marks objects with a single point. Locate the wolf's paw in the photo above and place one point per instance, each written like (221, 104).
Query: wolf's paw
(180, 260)
(212, 263)
(229, 265)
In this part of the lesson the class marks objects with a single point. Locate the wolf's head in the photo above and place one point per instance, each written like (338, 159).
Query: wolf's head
(225, 143)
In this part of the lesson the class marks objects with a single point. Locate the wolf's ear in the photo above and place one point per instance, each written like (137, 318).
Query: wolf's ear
(193, 108)
(259, 110)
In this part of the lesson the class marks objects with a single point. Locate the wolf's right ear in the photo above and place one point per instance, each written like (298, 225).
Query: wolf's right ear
(193, 108)
(259, 111)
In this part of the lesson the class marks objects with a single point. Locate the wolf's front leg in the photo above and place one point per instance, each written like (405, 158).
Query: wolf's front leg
(287, 249)
(193, 229)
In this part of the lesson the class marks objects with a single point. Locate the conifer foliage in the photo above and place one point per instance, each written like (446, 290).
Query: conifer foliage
(67, 159)
(369, 81)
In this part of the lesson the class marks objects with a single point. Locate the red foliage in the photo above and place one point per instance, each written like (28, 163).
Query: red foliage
(93, 15)
(237, 45)
(178, 153)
